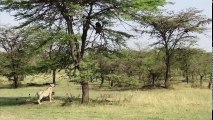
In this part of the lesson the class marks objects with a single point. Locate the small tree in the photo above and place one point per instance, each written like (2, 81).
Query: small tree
(15, 55)
(173, 31)
(154, 65)
(184, 57)
(51, 48)
(203, 68)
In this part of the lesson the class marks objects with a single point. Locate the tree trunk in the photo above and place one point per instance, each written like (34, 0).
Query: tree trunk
(102, 81)
(167, 76)
(210, 82)
(15, 78)
(153, 80)
(201, 81)
(54, 76)
(187, 77)
(111, 83)
(85, 92)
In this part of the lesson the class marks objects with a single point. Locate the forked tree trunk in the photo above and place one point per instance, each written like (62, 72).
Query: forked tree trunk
(77, 51)
(85, 92)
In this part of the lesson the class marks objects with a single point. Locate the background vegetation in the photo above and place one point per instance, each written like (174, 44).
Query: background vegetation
(76, 45)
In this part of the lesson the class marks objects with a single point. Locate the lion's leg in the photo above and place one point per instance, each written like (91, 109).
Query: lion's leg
(39, 99)
(50, 97)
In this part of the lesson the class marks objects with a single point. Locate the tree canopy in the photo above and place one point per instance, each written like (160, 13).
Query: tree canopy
(173, 31)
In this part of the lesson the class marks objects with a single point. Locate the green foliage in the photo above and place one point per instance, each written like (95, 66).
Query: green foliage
(51, 48)
(50, 14)
(88, 70)
(15, 52)
(123, 80)
(193, 62)
(143, 5)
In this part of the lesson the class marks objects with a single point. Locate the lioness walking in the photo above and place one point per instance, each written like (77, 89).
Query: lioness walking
(45, 93)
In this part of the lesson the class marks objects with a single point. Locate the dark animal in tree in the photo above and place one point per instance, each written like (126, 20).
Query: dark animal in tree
(98, 27)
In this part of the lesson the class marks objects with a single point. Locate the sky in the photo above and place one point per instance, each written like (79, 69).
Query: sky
(205, 42)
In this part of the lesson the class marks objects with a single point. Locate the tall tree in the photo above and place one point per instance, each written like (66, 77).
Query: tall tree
(173, 31)
(81, 16)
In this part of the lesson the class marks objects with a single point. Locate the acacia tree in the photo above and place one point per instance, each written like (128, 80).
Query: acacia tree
(173, 31)
(51, 48)
(15, 53)
(80, 17)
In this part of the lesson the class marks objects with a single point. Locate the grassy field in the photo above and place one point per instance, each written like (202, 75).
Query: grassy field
(180, 103)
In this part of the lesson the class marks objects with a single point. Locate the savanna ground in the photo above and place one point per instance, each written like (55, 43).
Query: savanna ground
(180, 103)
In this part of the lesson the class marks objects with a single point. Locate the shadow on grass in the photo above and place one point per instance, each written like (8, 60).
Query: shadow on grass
(118, 89)
(17, 101)
(36, 84)
(13, 101)
(9, 86)
(108, 88)
(105, 99)
(58, 100)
